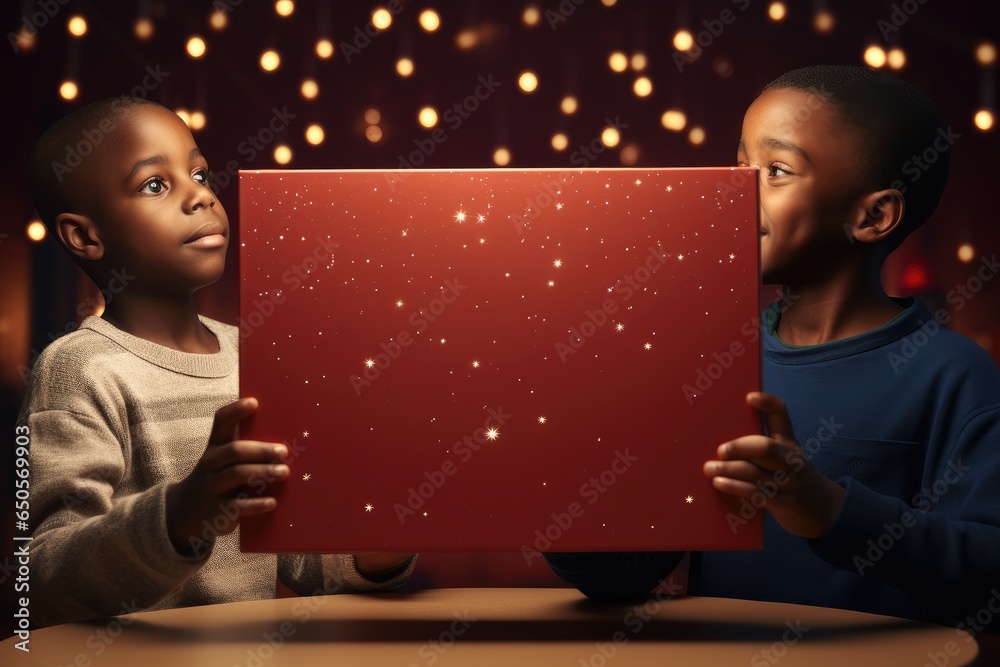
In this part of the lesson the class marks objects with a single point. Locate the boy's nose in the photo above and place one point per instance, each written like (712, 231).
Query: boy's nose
(200, 197)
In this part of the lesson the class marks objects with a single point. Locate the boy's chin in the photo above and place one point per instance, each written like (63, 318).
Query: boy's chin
(208, 277)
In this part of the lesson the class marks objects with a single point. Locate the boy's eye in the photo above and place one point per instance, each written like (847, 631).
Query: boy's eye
(778, 170)
(153, 186)
(202, 176)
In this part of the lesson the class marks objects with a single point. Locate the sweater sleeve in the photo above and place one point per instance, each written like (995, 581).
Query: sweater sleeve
(93, 552)
(614, 576)
(328, 574)
(944, 545)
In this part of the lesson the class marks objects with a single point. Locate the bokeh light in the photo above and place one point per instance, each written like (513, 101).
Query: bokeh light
(68, 90)
(618, 62)
(501, 157)
(218, 20)
(560, 141)
(324, 48)
(674, 120)
(531, 16)
(966, 252)
(196, 47)
(381, 18)
(467, 39)
(282, 154)
(683, 40)
(428, 117)
(197, 120)
(914, 276)
(643, 87)
(696, 136)
(896, 58)
(569, 105)
(629, 155)
(315, 134)
(986, 53)
(984, 119)
(270, 60)
(373, 116)
(875, 56)
(284, 7)
(373, 133)
(639, 61)
(143, 28)
(77, 26)
(26, 39)
(610, 137)
(528, 81)
(823, 21)
(36, 231)
(777, 11)
(429, 20)
(184, 115)
(310, 89)
(404, 67)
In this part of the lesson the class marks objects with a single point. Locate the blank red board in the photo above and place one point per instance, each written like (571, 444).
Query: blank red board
(499, 360)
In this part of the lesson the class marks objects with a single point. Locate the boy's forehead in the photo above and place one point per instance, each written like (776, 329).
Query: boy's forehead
(788, 112)
(147, 131)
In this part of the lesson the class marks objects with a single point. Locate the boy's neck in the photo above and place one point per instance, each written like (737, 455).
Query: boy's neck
(834, 310)
(167, 321)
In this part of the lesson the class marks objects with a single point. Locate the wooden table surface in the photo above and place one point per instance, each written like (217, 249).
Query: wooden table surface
(494, 626)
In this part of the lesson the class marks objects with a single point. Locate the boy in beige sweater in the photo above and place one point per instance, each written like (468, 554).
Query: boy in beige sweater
(129, 508)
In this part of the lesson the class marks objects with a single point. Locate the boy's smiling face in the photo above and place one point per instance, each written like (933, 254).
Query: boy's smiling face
(812, 176)
(148, 193)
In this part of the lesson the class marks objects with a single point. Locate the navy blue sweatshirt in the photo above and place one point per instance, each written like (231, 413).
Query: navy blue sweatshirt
(907, 419)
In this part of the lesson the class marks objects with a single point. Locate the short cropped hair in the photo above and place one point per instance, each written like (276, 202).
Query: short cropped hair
(65, 146)
(907, 145)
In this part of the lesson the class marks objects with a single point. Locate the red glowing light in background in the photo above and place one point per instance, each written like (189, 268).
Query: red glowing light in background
(914, 276)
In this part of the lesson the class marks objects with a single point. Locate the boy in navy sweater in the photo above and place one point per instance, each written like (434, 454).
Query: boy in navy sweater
(879, 469)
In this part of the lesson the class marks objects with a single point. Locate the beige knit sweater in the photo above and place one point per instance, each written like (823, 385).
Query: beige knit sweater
(113, 420)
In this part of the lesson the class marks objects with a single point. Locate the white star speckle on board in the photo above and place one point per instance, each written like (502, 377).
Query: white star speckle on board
(460, 216)
(369, 363)
(369, 507)
(306, 477)
(542, 420)
(492, 434)
(689, 499)
(305, 434)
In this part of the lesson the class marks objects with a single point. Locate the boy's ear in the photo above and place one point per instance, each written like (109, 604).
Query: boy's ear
(80, 236)
(878, 215)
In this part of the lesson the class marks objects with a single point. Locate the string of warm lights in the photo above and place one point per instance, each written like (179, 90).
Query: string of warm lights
(687, 40)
